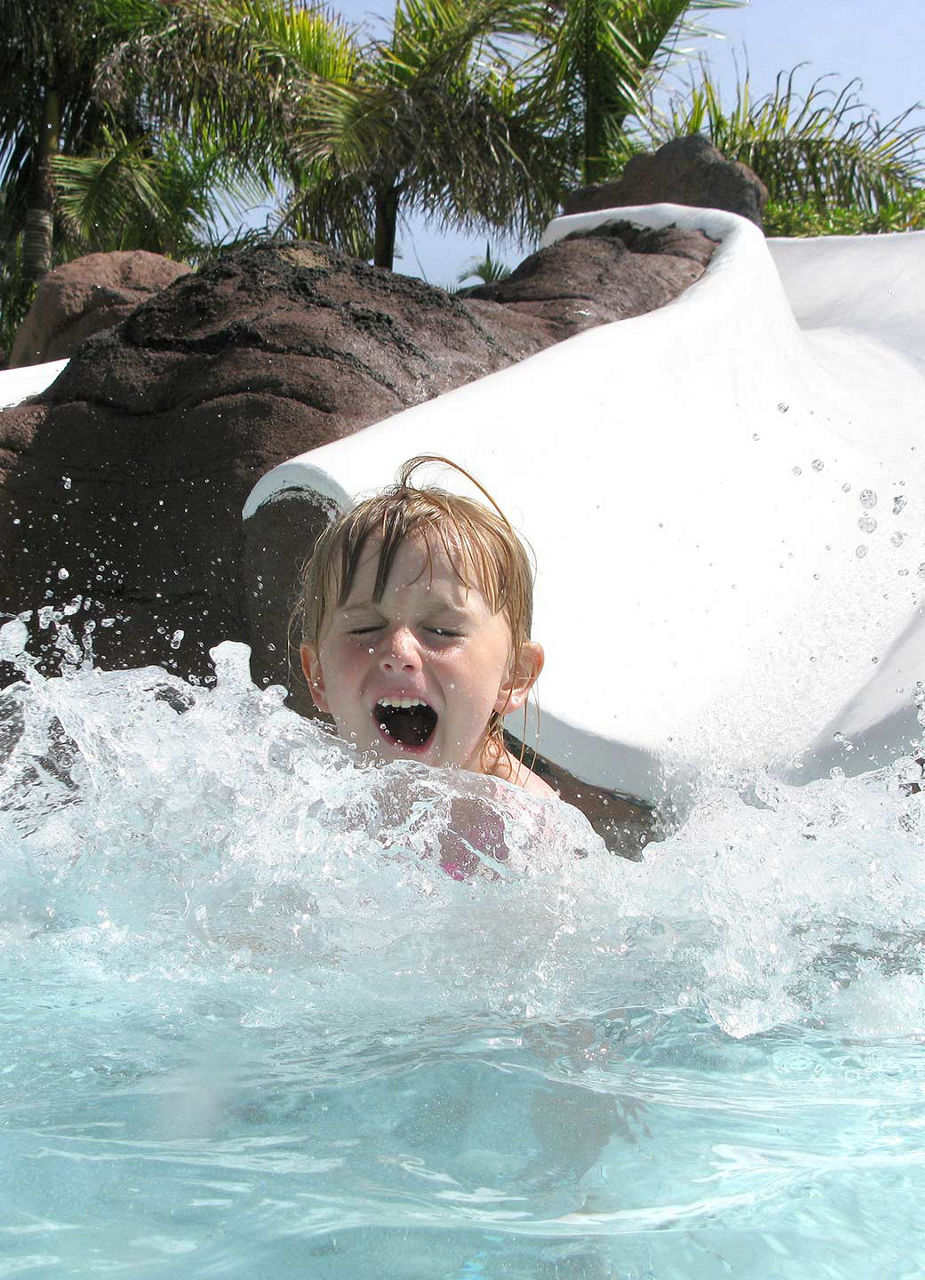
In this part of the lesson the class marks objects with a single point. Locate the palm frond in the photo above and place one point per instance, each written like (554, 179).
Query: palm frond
(129, 194)
(597, 60)
(823, 147)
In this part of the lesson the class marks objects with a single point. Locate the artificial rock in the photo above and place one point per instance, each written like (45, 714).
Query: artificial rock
(85, 296)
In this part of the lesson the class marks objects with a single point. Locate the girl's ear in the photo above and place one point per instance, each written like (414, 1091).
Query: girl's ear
(514, 691)
(314, 677)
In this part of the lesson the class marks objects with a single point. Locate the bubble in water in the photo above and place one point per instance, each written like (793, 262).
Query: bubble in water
(898, 503)
(66, 481)
(921, 571)
(860, 551)
(176, 639)
(782, 406)
(797, 471)
(867, 524)
(867, 498)
(897, 539)
(63, 575)
(846, 487)
(818, 464)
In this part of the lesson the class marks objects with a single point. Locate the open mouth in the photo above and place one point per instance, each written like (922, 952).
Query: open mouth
(409, 722)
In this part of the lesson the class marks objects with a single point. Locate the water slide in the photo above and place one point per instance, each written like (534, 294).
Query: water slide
(725, 502)
(17, 385)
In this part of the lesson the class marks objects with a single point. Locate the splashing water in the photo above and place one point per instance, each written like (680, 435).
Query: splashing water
(256, 1021)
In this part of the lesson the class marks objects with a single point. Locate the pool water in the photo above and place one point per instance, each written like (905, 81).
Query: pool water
(252, 1027)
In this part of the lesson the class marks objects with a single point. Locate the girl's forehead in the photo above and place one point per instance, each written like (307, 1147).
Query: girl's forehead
(419, 560)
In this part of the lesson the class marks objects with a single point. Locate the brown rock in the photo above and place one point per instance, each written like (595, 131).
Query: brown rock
(611, 273)
(687, 171)
(84, 296)
(123, 484)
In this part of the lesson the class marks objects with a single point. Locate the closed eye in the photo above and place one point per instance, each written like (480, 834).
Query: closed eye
(445, 633)
(364, 631)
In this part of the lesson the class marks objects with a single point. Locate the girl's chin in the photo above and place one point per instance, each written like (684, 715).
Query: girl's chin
(429, 753)
(385, 749)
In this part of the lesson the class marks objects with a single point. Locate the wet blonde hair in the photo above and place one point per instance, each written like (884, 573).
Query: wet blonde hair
(480, 544)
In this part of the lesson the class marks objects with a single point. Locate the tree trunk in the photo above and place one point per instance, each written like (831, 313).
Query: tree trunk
(39, 226)
(386, 224)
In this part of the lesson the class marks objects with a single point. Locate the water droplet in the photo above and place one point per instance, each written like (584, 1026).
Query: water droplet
(846, 488)
(897, 539)
(797, 471)
(63, 575)
(66, 481)
(898, 503)
(867, 523)
(875, 661)
(921, 571)
(867, 498)
(756, 436)
(861, 552)
(818, 464)
(782, 406)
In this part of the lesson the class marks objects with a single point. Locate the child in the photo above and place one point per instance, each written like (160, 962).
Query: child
(417, 607)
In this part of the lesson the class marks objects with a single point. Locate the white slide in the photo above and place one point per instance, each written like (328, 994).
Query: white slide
(725, 498)
(17, 385)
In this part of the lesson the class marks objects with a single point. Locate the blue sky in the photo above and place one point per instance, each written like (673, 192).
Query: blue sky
(882, 44)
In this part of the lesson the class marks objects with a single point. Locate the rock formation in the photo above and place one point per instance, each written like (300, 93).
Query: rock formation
(85, 296)
(684, 171)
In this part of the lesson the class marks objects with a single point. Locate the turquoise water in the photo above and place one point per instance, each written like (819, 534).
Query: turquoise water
(251, 1028)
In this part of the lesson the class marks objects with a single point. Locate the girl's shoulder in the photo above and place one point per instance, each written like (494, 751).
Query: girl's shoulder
(508, 767)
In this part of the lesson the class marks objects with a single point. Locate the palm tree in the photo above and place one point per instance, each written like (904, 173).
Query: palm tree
(817, 153)
(49, 50)
(361, 132)
(52, 121)
(488, 270)
(596, 62)
(432, 119)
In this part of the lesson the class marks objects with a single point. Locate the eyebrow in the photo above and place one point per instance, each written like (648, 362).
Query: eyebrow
(363, 608)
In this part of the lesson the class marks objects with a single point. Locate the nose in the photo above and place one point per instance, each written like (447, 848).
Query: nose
(400, 652)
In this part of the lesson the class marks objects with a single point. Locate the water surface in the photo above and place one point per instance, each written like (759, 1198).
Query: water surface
(251, 1026)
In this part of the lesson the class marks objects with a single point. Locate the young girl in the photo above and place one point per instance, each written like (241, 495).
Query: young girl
(417, 607)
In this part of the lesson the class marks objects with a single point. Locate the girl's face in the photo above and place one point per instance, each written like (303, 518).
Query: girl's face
(417, 674)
